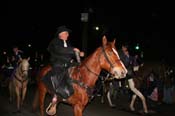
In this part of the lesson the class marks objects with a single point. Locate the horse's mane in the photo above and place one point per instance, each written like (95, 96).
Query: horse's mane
(94, 52)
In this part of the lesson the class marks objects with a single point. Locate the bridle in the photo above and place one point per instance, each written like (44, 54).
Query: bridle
(107, 59)
(81, 83)
(21, 71)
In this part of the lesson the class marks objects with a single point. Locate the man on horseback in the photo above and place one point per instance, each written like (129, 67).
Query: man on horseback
(16, 56)
(62, 55)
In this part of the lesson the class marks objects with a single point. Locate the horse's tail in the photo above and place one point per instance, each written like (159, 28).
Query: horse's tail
(36, 100)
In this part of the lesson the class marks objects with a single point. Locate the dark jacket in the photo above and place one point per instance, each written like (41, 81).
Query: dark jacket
(59, 53)
(17, 57)
(127, 61)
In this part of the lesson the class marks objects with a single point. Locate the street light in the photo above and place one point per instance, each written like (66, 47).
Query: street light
(29, 45)
(97, 28)
(137, 47)
(84, 17)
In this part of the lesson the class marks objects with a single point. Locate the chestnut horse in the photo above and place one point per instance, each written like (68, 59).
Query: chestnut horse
(85, 75)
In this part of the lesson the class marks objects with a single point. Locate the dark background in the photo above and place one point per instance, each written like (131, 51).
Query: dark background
(145, 23)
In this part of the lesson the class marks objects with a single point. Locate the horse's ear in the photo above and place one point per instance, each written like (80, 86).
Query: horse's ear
(28, 58)
(104, 40)
(113, 43)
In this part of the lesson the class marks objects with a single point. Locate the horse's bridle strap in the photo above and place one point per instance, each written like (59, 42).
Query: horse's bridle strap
(91, 71)
(19, 79)
(107, 57)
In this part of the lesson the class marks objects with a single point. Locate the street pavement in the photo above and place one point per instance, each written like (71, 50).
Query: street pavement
(94, 108)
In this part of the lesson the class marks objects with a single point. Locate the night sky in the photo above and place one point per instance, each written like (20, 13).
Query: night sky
(35, 22)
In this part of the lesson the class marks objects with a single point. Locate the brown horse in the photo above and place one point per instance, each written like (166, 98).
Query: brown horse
(19, 81)
(85, 76)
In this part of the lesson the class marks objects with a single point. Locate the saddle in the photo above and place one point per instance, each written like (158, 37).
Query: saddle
(62, 84)
(59, 83)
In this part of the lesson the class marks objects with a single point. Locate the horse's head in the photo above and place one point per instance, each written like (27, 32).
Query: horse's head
(24, 66)
(110, 59)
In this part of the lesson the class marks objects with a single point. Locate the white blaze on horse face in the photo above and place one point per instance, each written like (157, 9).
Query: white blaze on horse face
(25, 68)
(123, 66)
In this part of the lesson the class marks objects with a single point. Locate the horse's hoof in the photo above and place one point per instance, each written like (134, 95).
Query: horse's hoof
(10, 101)
(102, 102)
(91, 98)
(17, 111)
(146, 114)
(112, 106)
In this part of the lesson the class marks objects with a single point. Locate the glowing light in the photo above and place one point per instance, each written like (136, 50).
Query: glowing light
(29, 45)
(97, 28)
(137, 47)
(4, 52)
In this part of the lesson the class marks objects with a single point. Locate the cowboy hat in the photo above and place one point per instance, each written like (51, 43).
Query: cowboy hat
(62, 29)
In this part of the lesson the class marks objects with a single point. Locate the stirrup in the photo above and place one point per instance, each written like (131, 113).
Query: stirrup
(51, 109)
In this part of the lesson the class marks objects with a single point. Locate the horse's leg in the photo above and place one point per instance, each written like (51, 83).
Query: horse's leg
(103, 92)
(24, 90)
(102, 99)
(132, 102)
(78, 110)
(17, 89)
(109, 93)
(10, 91)
(138, 93)
(109, 99)
(35, 101)
(42, 94)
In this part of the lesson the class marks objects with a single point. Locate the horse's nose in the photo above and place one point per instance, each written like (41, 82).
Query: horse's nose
(123, 73)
